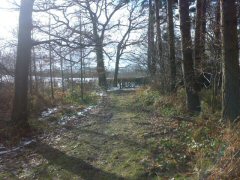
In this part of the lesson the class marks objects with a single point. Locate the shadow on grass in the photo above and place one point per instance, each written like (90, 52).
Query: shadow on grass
(117, 137)
(72, 164)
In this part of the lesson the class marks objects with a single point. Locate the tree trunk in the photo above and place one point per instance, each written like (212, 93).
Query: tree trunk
(102, 80)
(71, 73)
(50, 60)
(81, 73)
(193, 102)
(230, 93)
(217, 30)
(115, 80)
(151, 57)
(35, 71)
(20, 107)
(62, 73)
(30, 78)
(200, 35)
(171, 46)
(159, 47)
(216, 69)
(81, 58)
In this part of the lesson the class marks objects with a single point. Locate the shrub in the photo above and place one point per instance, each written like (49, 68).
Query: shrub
(74, 97)
(145, 99)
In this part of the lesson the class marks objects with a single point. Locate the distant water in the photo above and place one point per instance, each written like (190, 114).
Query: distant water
(46, 80)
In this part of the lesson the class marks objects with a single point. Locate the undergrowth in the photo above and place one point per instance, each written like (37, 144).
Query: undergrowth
(214, 145)
(152, 100)
(74, 97)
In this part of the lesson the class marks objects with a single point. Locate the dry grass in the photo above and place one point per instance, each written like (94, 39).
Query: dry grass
(228, 166)
(6, 96)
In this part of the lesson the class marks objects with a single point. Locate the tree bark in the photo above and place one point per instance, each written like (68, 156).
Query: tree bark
(193, 102)
(171, 46)
(20, 102)
(230, 93)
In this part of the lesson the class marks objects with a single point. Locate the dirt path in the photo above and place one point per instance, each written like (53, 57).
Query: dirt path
(111, 142)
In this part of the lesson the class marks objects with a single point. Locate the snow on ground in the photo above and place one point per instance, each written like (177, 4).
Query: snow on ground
(112, 89)
(23, 143)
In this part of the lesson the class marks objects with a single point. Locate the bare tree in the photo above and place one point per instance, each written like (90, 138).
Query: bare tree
(134, 23)
(103, 9)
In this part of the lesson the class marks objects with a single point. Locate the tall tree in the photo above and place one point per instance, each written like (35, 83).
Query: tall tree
(193, 102)
(230, 93)
(171, 45)
(20, 108)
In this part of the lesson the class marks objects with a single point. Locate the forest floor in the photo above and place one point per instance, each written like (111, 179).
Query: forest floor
(111, 141)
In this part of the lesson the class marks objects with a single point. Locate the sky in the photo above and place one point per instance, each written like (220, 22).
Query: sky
(9, 24)
(8, 20)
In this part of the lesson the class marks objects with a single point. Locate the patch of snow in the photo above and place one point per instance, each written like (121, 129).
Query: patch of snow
(101, 94)
(49, 112)
(27, 142)
(23, 143)
(80, 113)
(123, 89)
(4, 152)
(64, 120)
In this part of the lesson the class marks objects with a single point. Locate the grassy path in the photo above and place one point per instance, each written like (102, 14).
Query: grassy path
(112, 142)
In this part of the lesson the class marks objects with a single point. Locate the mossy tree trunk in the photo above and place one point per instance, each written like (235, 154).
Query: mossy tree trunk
(230, 91)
